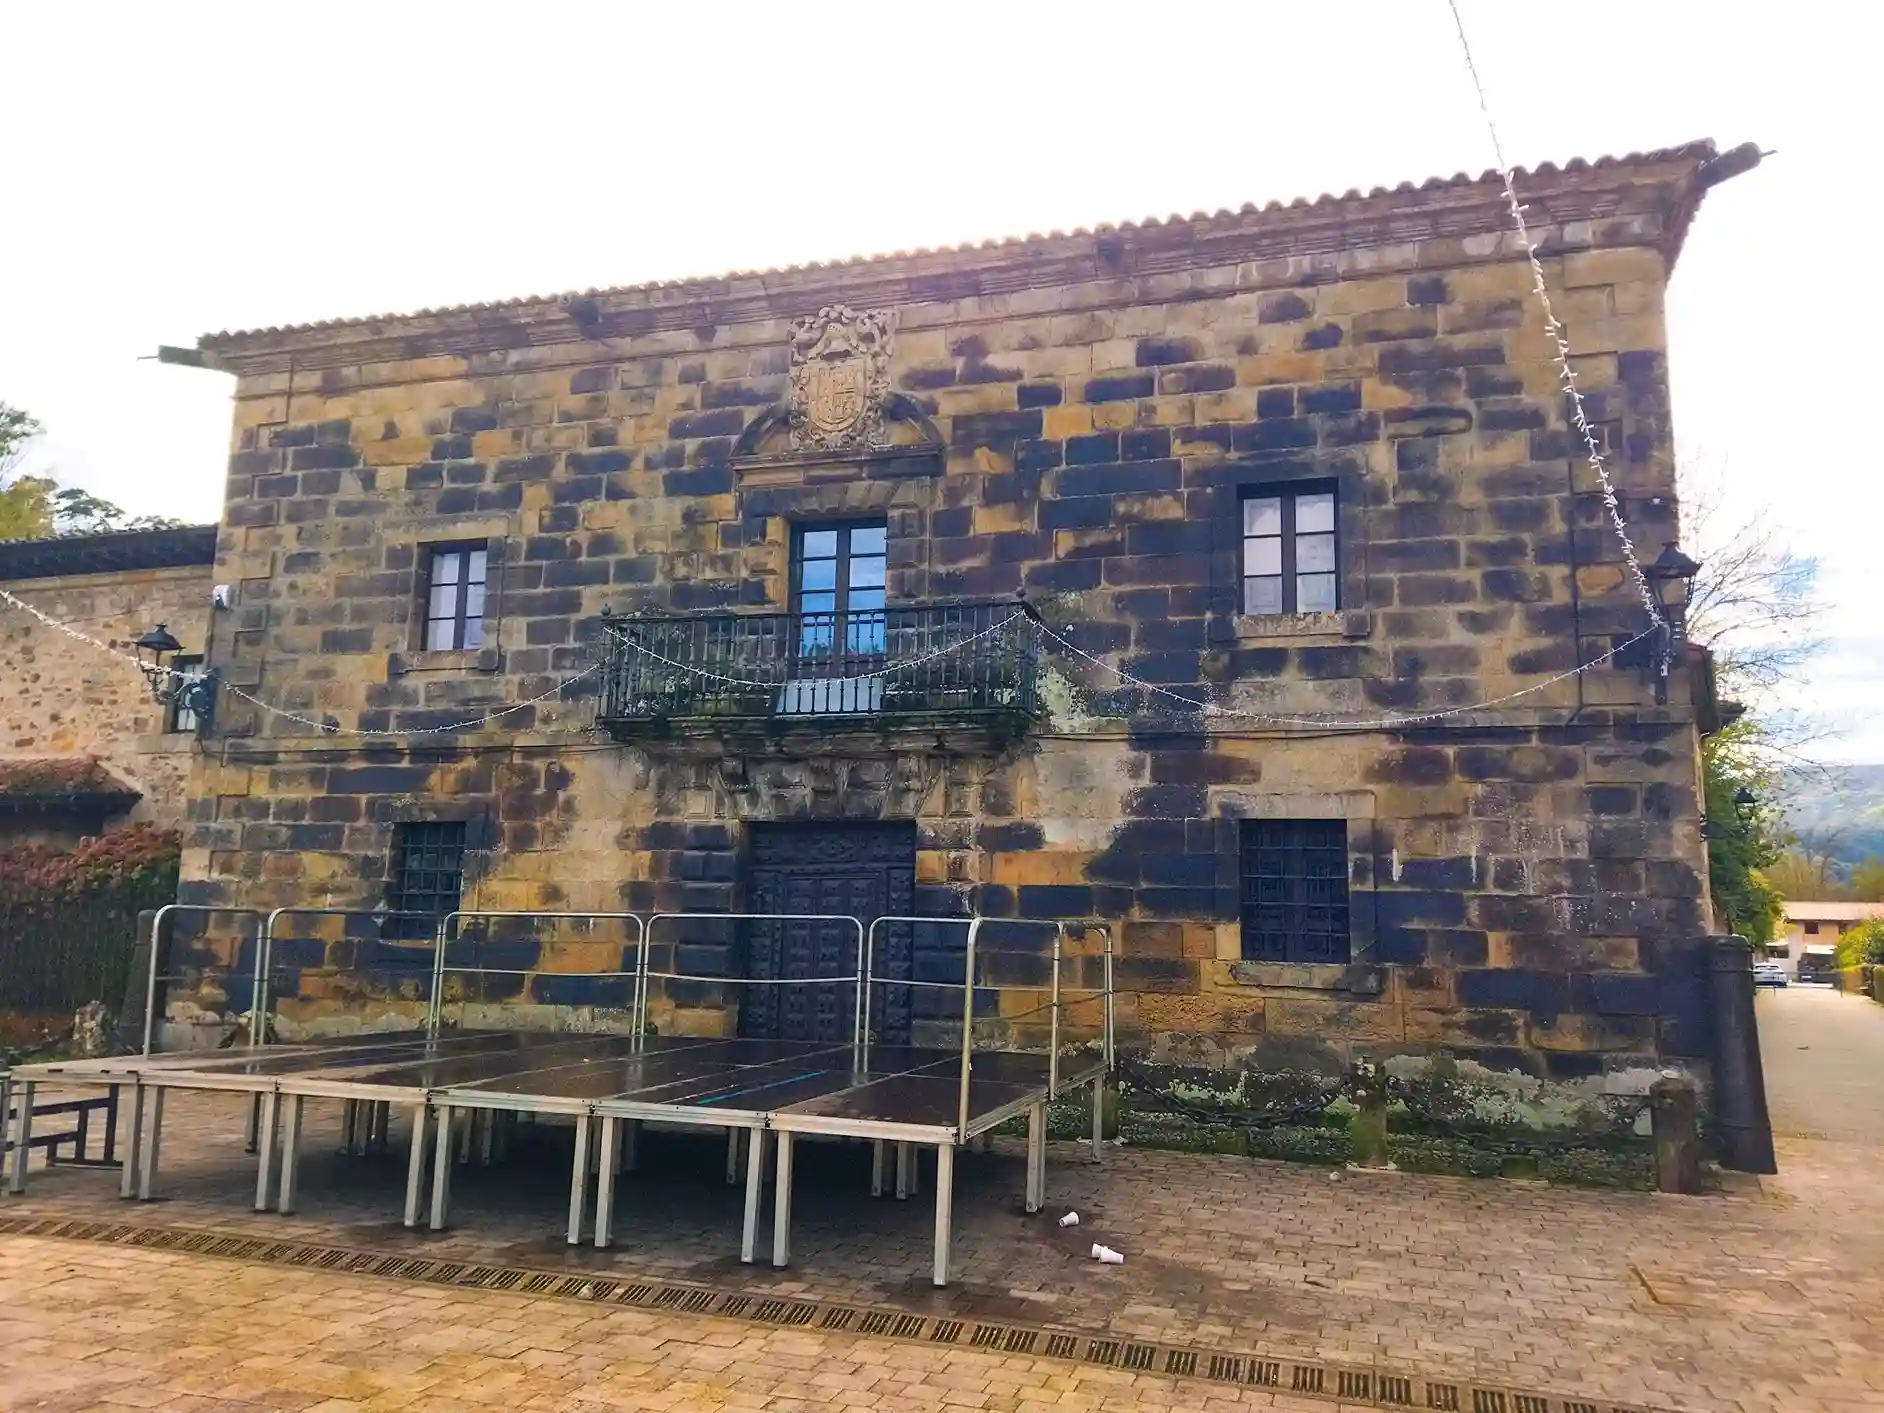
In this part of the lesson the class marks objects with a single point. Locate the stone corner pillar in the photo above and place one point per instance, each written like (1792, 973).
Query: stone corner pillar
(1746, 1130)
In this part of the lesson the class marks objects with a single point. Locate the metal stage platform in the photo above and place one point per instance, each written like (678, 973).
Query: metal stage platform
(465, 1088)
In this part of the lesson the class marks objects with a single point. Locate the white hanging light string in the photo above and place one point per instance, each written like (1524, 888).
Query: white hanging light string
(1566, 374)
(331, 729)
(99, 643)
(1045, 634)
(335, 729)
(1334, 723)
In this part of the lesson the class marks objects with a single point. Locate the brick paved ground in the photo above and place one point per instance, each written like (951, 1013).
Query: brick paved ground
(85, 1327)
(1680, 1303)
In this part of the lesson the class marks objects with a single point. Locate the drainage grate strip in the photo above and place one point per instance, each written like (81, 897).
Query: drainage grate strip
(1381, 1388)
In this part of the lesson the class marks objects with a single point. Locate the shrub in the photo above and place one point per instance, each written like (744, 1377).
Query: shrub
(1864, 943)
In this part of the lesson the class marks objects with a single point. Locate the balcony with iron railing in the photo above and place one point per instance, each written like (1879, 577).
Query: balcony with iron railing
(954, 664)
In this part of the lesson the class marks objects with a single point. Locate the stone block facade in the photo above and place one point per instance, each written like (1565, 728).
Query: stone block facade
(66, 701)
(1076, 422)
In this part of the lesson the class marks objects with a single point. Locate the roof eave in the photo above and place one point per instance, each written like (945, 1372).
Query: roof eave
(1351, 221)
(1722, 167)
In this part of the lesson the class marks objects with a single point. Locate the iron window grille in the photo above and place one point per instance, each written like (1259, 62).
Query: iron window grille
(454, 597)
(1291, 561)
(1294, 890)
(427, 877)
(178, 716)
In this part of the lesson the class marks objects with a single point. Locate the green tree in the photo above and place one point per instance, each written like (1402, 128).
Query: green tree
(78, 512)
(1743, 838)
(1867, 881)
(33, 507)
(1798, 875)
(25, 501)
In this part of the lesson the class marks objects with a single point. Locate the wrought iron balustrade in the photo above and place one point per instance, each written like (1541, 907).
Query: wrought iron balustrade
(968, 663)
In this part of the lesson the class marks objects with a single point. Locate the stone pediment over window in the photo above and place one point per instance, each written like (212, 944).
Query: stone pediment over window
(841, 411)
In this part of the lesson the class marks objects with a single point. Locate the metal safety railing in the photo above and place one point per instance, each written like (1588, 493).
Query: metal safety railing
(969, 986)
(441, 966)
(640, 937)
(171, 910)
(270, 935)
(855, 979)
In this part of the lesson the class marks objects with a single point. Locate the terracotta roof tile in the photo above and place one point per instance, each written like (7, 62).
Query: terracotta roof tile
(1700, 150)
(24, 778)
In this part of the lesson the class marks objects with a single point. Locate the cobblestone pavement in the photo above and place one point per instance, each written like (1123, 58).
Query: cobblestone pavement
(1689, 1304)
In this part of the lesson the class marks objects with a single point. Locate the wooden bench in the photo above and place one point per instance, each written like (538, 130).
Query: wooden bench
(74, 1138)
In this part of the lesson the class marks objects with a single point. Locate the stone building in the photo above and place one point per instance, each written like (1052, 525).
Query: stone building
(84, 746)
(830, 590)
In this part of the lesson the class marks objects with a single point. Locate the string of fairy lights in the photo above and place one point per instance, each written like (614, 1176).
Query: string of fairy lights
(1049, 640)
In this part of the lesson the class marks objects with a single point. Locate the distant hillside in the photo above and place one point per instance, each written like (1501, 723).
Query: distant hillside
(1847, 812)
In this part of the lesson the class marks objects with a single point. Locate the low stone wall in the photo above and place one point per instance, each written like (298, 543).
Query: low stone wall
(1440, 1116)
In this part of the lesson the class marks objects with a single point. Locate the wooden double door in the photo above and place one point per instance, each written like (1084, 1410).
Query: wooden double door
(865, 871)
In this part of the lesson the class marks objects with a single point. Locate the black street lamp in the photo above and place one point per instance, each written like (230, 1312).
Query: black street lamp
(170, 686)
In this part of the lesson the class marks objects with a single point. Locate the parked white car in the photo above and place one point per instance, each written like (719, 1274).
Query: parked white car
(1769, 974)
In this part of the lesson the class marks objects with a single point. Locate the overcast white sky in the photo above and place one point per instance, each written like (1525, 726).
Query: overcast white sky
(182, 168)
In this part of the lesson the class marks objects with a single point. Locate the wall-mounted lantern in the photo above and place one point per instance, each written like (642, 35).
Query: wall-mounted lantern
(1669, 575)
(189, 695)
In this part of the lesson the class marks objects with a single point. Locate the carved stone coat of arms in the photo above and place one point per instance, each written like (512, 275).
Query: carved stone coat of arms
(840, 375)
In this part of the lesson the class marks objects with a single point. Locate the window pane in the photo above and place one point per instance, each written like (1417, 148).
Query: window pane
(819, 544)
(1315, 512)
(865, 634)
(865, 600)
(445, 567)
(444, 601)
(475, 565)
(473, 633)
(867, 539)
(1262, 515)
(1262, 556)
(819, 574)
(1315, 593)
(1262, 595)
(439, 634)
(190, 669)
(474, 601)
(1315, 554)
(867, 573)
(818, 603)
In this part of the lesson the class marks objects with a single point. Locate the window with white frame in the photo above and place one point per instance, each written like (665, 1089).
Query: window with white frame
(1291, 563)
